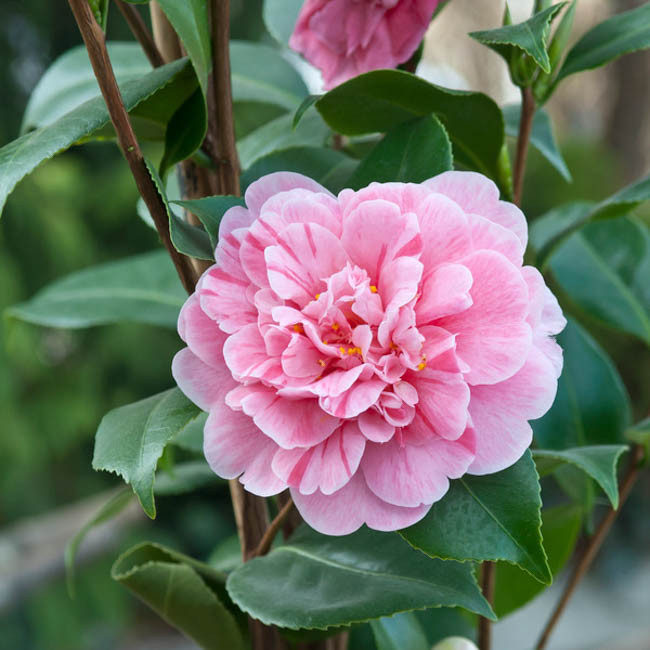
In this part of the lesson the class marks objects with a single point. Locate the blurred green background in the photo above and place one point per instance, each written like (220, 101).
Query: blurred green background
(55, 385)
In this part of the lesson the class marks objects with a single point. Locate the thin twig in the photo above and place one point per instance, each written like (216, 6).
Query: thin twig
(594, 544)
(273, 529)
(525, 128)
(96, 46)
(485, 624)
(221, 99)
(139, 29)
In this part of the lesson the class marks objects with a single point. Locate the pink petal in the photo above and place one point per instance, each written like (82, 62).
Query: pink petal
(223, 298)
(374, 426)
(477, 194)
(301, 359)
(488, 235)
(306, 254)
(290, 422)
(350, 507)
(376, 232)
(234, 446)
(500, 413)
(413, 475)
(327, 466)
(492, 335)
(246, 356)
(337, 382)
(202, 384)
(355, 400)
(201, 333)
(399, 282)
(445, 292)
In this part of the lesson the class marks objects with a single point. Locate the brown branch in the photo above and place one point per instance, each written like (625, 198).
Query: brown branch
(139, 29)
(593, 545)
(523, 139)
(96, 46)
(220, 100)
(485, 624)
(273, 529)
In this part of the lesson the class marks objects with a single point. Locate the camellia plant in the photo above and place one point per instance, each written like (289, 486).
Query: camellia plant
(370, 352)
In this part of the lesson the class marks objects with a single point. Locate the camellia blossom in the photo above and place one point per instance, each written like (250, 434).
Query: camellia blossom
(364, 349)
(344, 38)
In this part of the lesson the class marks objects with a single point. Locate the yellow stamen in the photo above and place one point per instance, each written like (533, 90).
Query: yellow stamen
(393, 346)
(373, 288)
(422, 366)
(317, 296)
(325, 342)
(342, 350)
(298, 328)
(335, 326)
(321, 363)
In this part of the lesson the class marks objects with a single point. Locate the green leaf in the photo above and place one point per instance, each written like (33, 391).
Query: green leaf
(640, 434)
(100, 11)
(185, 131)
(70, 81)
(184, 478)
(560, 529)
(379, 101)
(317, 581)
(550, 230)
(140, 289)
(592, 405)
(178, 591)
(280, 18)
(130, 440)
(187, 239)
(307, 103)
(530, 37)
(505, 507)
(410, 153)
(118, 501)
(190, 21)
(20, 157)
(399, 632)
(330, 168)
(604, 269)
(210, 210)
(598, 461)
(190, 437)
(623, 33)
(541, 137)
(278, 134)
(274, 82)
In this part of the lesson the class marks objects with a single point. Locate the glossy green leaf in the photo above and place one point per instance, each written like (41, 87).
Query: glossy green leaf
(316, 581)
(592, 405)
(379, 101)
(410, 153)
(278, 135)
(399, 632)
(541, 137)
(187, 239)
(190, 21)
(623, 33)
(280, 18)
(513, 587)
(184, 478)
(530, 37)
(550, 230)
(598, 461)
(100, 11)
(226, 555)
(118, 501)
(505, 507)
(604, 269)
(308, 102)
(173, 586)
(190, 437)
(130, 440)
(70, 81)
(275, 81)
(330, 168)
(640, 434)
(210, 210)
(140, 289)
(20, 157)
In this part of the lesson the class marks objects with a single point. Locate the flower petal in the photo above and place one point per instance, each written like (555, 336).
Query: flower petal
(201, 333)
(445, 292)
(202, 384)
(223, 298)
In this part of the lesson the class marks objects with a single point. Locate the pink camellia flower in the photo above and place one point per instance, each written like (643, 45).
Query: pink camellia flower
(344, 38)
(364, 349)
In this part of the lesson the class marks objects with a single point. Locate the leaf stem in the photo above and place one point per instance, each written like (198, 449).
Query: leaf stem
(485, 624)
(523, 139)
(593, 545)
(139, 29)
(274, 527)
(93, 37)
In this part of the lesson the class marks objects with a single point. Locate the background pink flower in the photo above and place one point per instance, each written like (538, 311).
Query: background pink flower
(344, 38)
(366, 348)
